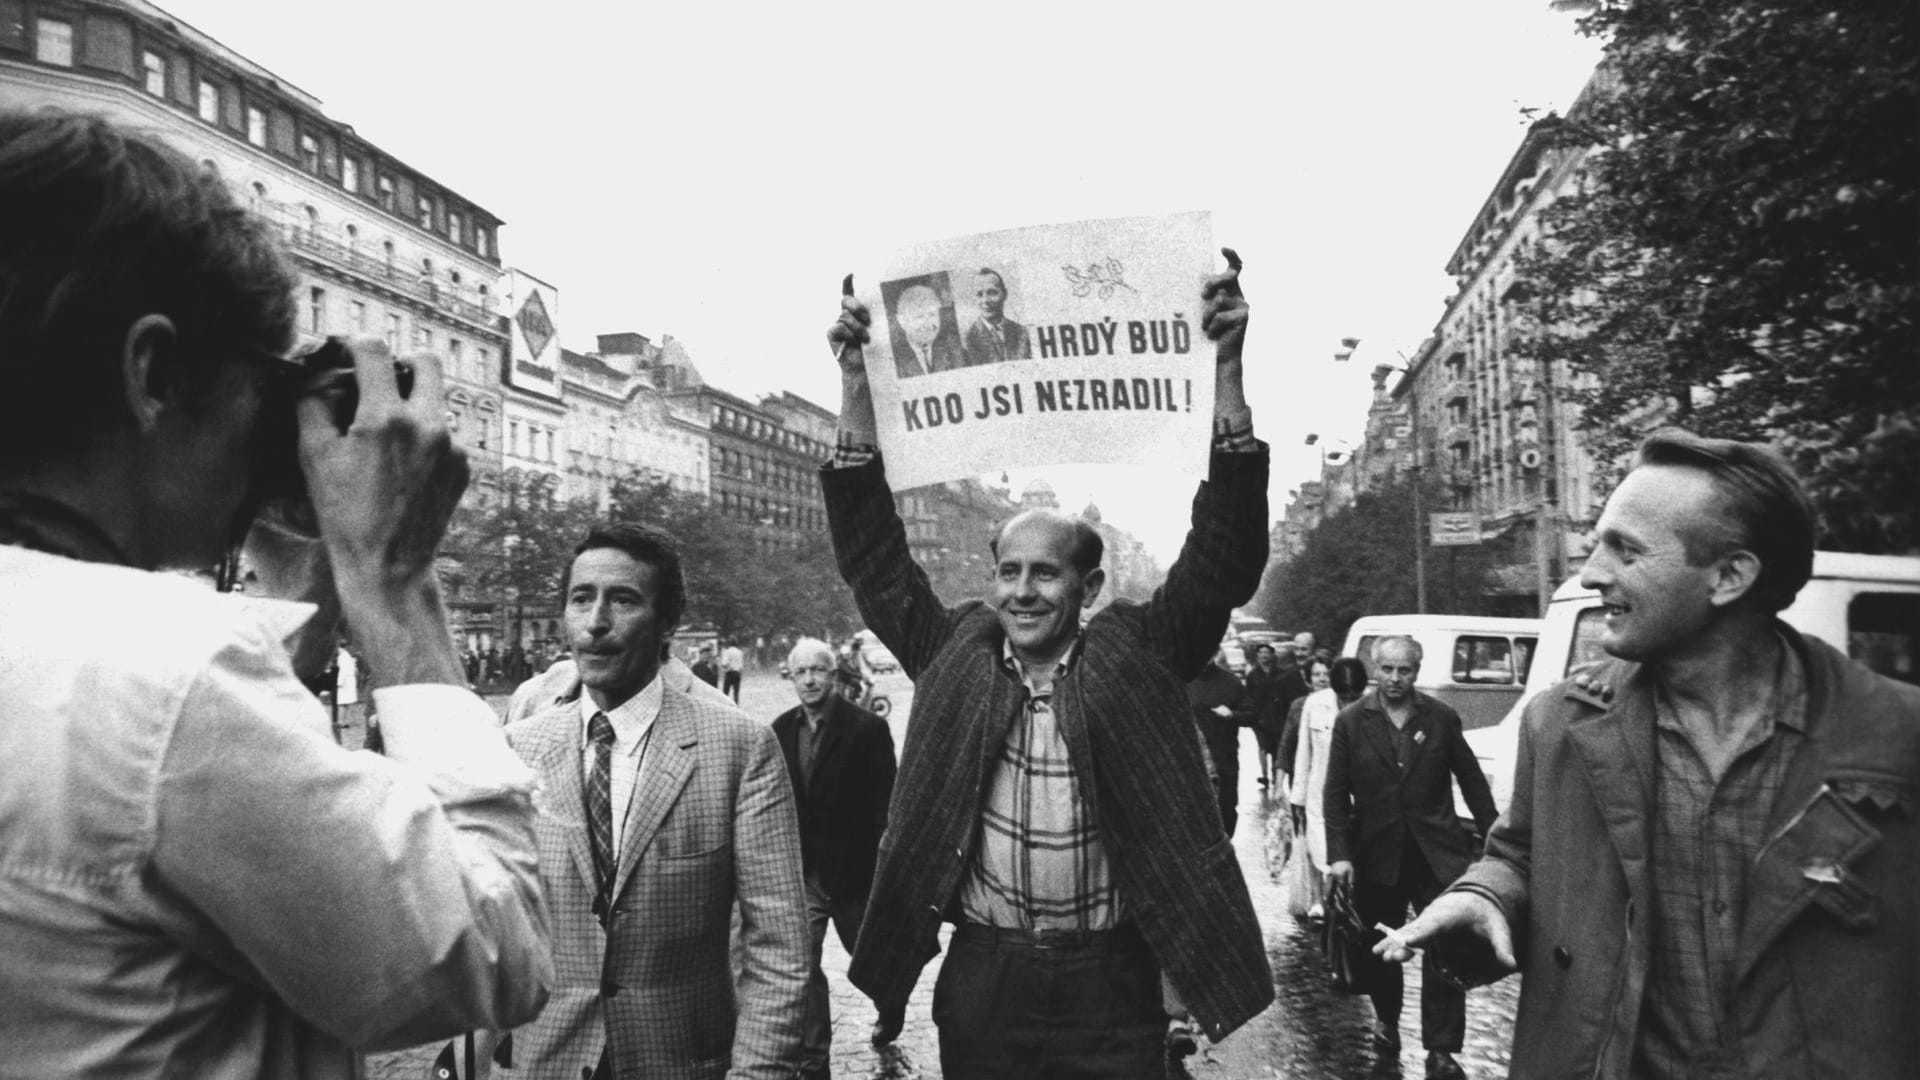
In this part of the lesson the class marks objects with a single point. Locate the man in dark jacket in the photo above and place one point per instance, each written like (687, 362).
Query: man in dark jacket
(1393, 836)
(1052, 800)
(1714, 868)
(1221, 707)
(840, 758)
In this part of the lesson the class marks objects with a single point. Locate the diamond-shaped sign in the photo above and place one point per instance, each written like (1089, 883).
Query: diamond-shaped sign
(536, 326)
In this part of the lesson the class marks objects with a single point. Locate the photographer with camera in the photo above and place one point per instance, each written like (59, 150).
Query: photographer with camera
(194, 879)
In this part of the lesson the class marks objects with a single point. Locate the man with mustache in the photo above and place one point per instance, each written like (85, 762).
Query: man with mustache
(664, 809)
(1052, 800)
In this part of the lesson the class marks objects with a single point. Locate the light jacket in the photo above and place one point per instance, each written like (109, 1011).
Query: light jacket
(195, 881)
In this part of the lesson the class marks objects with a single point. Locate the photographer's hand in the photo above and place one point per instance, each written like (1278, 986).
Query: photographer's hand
(384, 492)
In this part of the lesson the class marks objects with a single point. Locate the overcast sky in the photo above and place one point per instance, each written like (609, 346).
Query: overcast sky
(710, 171)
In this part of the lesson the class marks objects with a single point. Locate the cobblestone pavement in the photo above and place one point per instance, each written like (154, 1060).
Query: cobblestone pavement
(1310, 1032)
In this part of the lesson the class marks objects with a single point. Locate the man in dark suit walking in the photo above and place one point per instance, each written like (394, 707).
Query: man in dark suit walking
(1392, 833)
(840, 757)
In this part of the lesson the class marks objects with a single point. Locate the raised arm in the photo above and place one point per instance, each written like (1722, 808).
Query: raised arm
(869, 542)
(1220, 563)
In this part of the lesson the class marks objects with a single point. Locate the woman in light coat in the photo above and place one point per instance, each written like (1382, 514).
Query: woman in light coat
(1334, 688)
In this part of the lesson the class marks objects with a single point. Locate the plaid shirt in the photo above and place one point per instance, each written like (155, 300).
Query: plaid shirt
(1038, 861)
(1705, 837)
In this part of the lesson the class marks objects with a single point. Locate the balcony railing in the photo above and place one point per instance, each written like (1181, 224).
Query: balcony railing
(445, 297)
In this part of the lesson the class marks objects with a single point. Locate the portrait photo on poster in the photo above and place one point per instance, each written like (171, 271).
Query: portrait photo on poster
(923, 325)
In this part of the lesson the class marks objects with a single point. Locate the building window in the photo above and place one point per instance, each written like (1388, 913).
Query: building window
(393, 331)
(256, 126)
(483, 242)
(424, 206)
(385, 186)
(313, 223)
(423, 338)
(359, 316)
(209, 102)
(387, 247)
(316, 310)
(53, 42)
(456, 362)
(353, 238)
(350, 174)
(480, 362)
(259, 196)
(309, 153)
(454, 227)
(513, 439)
(156, 72)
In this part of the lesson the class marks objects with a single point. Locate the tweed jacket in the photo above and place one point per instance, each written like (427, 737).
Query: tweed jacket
(843, 808)
(1372, 808)
(712, 820)
(1828, 969)
(1122, 709)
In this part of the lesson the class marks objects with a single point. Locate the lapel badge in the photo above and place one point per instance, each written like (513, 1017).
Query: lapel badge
(1419, 737)
(1822, 872)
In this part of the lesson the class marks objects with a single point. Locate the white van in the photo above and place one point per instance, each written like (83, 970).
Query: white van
(1477, 665)
(1866, 605)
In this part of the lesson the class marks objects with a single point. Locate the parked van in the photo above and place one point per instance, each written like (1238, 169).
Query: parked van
(1477, 665)
(1866, 605)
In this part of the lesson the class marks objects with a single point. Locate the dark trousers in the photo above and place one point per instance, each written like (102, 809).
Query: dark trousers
(1443, 1006)
(730, 685)
(1014, 1010)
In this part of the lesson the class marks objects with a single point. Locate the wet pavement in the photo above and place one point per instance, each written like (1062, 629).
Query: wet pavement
(1310, 1033)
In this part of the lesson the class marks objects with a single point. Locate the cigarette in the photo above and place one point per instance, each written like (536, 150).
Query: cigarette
(1394, 936)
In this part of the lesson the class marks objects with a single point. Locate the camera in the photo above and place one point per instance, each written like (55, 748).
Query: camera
(325, 372)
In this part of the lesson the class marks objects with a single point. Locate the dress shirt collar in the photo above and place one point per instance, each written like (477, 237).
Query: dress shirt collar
(1012, 663)
(631, 719)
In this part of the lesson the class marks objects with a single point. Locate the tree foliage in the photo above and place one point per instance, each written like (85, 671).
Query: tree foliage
(517, 550)
(1740, 254)
(1360, 561)
(732, 583)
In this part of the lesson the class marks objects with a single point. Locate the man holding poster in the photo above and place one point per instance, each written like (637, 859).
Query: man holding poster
(1052, 800)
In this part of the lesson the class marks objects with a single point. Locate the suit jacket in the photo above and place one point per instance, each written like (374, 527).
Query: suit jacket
(1372, 808)
(1218, 686)
(710, 822)
(1122, 710)
(1828, 970)
(988, 344)
(843, 809)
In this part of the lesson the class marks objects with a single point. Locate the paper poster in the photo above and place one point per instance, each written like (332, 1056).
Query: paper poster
(1074, 343)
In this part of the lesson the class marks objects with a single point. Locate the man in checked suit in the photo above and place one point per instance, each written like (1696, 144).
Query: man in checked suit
(1052, 801)
(840, 758)
(660, 811)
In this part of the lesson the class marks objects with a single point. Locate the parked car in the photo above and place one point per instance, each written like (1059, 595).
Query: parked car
(1474, 663)
(1866, 605)
(878, 660)
(1236, 658)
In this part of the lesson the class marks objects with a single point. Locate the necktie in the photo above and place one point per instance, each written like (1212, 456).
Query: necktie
(600, 795)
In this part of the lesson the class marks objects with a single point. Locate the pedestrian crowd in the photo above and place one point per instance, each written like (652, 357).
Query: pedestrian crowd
(1708, 867)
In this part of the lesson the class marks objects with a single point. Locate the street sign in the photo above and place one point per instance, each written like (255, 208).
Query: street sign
(1453, 529)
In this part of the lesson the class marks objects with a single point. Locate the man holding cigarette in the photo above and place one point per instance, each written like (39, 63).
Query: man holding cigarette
(1712, 870)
